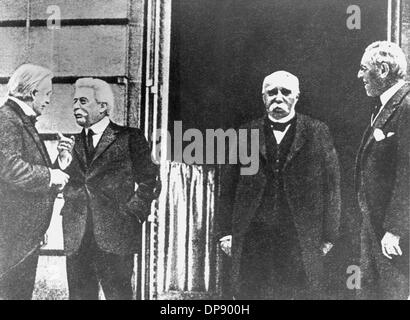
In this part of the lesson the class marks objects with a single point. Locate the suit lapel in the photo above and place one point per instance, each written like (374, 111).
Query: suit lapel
(359, 156)
(31, 129)
(363, 142)
(299, 140)
(388, 110)
(262, 138)
(391, 106)
(79, 147)
(107, 138)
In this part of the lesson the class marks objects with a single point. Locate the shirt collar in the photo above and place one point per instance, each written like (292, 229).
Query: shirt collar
(289, 117)
(100, 126)
(28, 111)
(389, 93)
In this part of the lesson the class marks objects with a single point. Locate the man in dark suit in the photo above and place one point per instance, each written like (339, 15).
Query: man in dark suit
(28, 184)
(383, 175)
(284, 219)
(103, 213)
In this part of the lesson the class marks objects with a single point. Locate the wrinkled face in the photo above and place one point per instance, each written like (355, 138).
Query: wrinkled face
(42, 95)
(87, 110)
(280, 97)
(370, 74)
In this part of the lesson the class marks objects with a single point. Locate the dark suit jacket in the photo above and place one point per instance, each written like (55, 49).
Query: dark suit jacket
(383, 186)
(106, 187)
(25, 197)
(312, 186)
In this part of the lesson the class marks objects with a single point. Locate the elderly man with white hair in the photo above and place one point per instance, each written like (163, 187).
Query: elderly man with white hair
(28, 184)
(283, 220)
(383, 175)
(103, 210)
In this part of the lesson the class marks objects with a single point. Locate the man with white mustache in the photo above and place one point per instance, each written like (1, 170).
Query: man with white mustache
(103, 211)
(283, 220)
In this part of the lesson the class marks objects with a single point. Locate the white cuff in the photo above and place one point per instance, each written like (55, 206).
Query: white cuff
(226, 238)
(65, 162)
(51, 178)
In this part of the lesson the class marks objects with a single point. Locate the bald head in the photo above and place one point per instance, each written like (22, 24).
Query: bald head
(280, 92)
(281, 78)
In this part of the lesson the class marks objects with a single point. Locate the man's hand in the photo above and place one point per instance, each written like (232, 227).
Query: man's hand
(65, 143)
(326, 247)
(226, 244)
(65, 147)
(58, 178)
(138, 208)
(390, 245)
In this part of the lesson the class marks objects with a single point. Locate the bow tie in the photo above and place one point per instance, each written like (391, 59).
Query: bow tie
(33, 119)
(279, 126)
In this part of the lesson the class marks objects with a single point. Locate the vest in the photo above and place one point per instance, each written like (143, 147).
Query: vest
(274, 208)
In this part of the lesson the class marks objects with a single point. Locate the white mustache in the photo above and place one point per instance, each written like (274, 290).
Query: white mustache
(273, 108)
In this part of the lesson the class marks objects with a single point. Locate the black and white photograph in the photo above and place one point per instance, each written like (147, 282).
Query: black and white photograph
(221, 151)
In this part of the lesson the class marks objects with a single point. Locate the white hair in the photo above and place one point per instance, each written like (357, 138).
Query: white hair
(25, 80)
(282, 77)
(102, 90)
(390, 53)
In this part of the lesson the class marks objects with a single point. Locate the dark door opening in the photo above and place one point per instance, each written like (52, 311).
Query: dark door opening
(222, 49)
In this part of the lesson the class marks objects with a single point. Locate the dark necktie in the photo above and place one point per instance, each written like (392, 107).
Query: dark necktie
(90, 145)
(278, 126)
(376, 108)
(33, 119)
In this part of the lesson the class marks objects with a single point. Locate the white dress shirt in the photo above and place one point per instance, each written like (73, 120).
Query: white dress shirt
(386, 96)
(98, 129)
(28, 111)
(279, 135)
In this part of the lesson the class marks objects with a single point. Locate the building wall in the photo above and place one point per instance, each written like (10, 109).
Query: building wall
(93, 39)
(97, 38)
(405, 31)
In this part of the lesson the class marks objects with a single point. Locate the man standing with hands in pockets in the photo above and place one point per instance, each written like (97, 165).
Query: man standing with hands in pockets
(103, 211)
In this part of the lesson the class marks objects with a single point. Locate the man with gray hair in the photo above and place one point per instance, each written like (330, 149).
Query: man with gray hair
(103, 212)
(28, 184)
(383, 175)
(283, 220)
